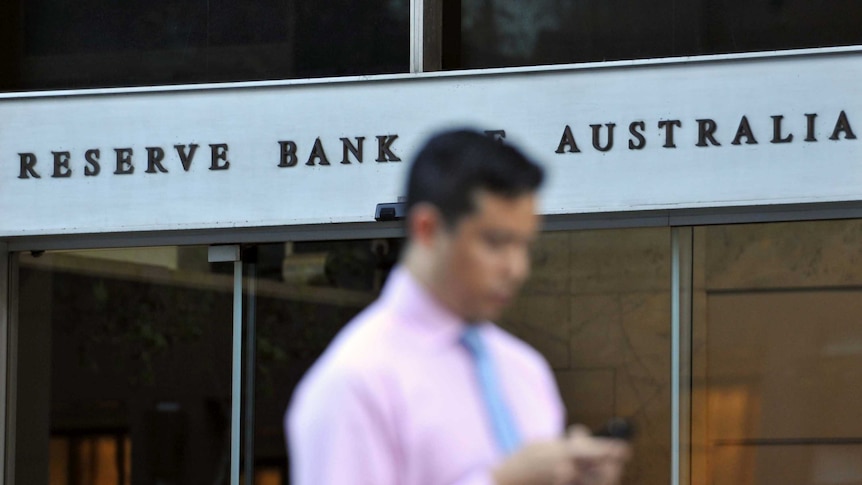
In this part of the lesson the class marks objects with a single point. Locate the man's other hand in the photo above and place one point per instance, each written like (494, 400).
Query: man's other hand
(577, 459)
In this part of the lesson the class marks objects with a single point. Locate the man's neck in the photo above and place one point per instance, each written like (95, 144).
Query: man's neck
(426, 271)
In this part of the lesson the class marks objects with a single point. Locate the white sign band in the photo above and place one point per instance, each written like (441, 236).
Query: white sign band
(778, 130)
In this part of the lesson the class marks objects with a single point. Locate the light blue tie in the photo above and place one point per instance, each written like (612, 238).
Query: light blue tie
(501, 419)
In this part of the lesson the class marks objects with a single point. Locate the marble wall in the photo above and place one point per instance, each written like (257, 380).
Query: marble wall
(778, 353)
(776, 345)
(598, 307)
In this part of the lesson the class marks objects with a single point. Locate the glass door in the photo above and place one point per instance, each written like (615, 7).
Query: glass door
(127, 364)
(298, 295)
(121, 373)
(777, 354)
(597, 306)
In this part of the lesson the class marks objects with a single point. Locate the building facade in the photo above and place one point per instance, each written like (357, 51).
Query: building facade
(195, 197)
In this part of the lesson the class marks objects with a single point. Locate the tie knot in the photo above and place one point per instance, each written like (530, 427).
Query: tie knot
(472, 339)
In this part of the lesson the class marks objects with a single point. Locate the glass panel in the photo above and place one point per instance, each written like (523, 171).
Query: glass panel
(597, 307)
(305, 293)
(498, 33)
(123, 368)
(778, 353)
(52, 44)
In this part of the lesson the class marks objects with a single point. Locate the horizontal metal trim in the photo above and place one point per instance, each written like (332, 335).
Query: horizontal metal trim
(605, 220)
(784, 289)
(789, 442)
(766, 213)
(395, 229)
(182, 88)
(706, 216)
(315, 232)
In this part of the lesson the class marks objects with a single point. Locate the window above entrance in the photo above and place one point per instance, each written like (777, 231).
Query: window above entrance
(53, 44)
(500, 33)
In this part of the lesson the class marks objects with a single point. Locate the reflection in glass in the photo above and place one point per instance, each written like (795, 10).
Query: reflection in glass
(51, 44)
(135, 349)
(778, 354)
(597, 307)
(123, 368)
(304, 293)
(497, 33)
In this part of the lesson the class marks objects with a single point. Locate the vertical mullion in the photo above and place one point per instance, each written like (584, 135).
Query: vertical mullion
(417, 33)
(426, 35)
(674, 351)
(681, 308)
(225, 254)
(686, 316)
(5, 316)
(250, 341)
(236, 373)
(432, 35)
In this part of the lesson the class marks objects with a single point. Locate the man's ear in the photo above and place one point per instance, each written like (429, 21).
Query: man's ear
(424, 223)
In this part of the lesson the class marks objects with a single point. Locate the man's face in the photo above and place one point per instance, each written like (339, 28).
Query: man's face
(486, 256)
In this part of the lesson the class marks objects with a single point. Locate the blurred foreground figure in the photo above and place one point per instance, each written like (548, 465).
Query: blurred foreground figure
(421, 388)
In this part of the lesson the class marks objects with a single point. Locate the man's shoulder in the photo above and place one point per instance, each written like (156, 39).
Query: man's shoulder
(354, 371)
(356, 354)
(515, 349)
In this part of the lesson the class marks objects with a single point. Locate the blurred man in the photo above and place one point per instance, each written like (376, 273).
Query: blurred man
(420, 388)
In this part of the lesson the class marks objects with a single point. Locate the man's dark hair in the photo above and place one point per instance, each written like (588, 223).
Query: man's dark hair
(453, 165)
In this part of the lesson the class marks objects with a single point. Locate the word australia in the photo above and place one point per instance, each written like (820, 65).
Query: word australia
(706, 132)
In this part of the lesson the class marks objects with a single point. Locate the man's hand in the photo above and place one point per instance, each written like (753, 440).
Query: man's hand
(577, 459)
(599, 461)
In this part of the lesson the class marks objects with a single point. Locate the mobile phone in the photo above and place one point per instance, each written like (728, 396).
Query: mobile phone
(618, 428)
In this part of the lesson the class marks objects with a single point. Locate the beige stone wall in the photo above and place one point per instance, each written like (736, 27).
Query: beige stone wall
(782, 255)
(777, 345)
(778, 353)
(598, 307)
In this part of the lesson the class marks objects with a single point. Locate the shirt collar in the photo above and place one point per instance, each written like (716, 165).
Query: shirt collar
(420, 310)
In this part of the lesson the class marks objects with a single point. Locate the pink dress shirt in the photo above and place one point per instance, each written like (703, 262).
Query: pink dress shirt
(394, 400)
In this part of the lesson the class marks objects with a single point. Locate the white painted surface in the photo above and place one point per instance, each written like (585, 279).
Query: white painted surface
(532, 106)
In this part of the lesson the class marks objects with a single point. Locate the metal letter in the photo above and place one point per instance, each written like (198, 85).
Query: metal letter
(809, 136)
(384, 149)
(61, 165)
(28, 166)
(668, 133)
(744, 130)
(318, 153)
(705, 131)
(155, 155)
(124, 161)
(637, 134)
(349, 148)
(288, 154)
(568, 140)
(597, 129)
(842, 125)
(92, 157)
(219, 153)
(186, 158)
(776, 131)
